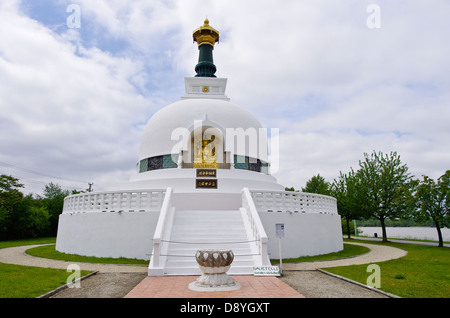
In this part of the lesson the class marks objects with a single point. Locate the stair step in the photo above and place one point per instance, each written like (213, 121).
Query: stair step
(201, 229)
(193, 264)
(194, 248)
(245, 270)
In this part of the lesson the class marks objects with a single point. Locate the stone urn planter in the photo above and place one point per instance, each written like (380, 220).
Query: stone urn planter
(214, 264)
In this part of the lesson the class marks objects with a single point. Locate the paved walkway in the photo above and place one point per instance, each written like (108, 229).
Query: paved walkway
(394, 240)
(17, 255)
(178, 287)
(377, 253)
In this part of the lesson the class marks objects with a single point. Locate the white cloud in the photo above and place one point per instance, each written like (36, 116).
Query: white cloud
(334, 87)
(65, 111)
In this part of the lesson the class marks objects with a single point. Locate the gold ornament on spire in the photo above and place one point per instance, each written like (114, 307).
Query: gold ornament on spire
(206, 34)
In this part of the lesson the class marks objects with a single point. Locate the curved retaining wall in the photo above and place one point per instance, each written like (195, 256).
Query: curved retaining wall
(305, 234)
(119, 225)
(312, 225)
(106, 234)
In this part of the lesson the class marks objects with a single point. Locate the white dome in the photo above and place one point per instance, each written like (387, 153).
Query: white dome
(167, 124)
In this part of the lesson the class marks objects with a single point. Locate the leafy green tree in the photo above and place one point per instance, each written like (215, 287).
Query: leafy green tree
(53, 201)
(380, 178)
(38, 224)
(432, 200)
(10, 199)
(9, 191)
(30, 219)
(25, 216)
(317, 184)
(344, 189)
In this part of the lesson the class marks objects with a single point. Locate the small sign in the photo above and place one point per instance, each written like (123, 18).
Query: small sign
(206, 183)
(279, 228)
(266, 271)
(206, 173)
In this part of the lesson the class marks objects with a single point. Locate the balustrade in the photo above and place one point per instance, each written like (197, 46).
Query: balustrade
(293, 202)
(115, 201)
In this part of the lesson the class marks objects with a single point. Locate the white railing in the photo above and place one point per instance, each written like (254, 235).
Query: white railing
(161, 236)
(293, 202)
(115, 201)
(252, 220)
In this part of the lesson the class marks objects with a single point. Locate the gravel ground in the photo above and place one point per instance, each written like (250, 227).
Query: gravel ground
(315, 284)
(103, 285)
(311, 284)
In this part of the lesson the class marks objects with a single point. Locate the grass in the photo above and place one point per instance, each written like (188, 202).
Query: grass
(422, 273)
(349, 250)
(401, 239)
(48, 251)
(44, 240)
(17, 281)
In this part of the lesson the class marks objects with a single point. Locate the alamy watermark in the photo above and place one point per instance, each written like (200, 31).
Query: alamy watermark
(74, 19)
(73, 281)
(374, 279)
(202, 140)
(374, 19)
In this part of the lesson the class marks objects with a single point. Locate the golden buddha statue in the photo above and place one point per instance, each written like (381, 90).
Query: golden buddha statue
(205, 154)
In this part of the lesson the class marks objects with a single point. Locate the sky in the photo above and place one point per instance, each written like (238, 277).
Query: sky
(80, 79)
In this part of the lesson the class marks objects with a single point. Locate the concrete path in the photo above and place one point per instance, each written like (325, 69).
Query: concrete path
(377, 253)
(393, 240)
(17, 255)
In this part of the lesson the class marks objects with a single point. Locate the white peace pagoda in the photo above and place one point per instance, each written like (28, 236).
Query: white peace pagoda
(202, 181)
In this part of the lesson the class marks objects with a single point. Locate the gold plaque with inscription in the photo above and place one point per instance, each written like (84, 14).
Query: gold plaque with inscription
(206, 173)
(206, 183)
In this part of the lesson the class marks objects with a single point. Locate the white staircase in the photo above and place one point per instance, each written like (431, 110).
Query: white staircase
(201, 229)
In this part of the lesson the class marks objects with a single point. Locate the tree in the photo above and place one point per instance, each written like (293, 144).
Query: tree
(432, 200)
(53, 201)
(30, 219)
(20, 216)
(380, 177)
(10, 199)
(9, 191)
(344, 189)
(317, 184)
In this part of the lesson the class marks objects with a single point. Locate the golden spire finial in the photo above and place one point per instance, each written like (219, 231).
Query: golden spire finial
(206, 34)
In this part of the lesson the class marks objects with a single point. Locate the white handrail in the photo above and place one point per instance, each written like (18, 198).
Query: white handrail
(161, 231)
(293, 202)
(115, 201)
(257, 229)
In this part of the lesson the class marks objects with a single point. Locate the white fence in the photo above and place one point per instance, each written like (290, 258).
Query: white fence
(293, 202)
(115, 201)
(256, 228)
(162, 233)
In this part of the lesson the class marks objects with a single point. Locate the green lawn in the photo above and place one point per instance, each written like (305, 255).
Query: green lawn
(349, 250)
(48, 251)
(422, 273)
(44, 240)
(18, 281)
